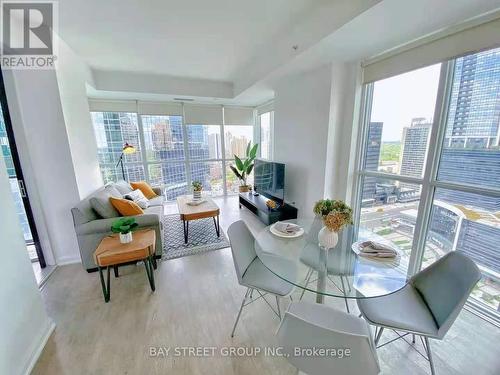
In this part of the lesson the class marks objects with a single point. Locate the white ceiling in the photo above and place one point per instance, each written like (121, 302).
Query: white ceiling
(206, 39)
(233, 51)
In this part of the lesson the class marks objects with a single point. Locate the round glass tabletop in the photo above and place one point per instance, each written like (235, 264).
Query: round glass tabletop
(339, 272)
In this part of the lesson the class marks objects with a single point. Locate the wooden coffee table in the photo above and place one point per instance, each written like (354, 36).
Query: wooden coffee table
(201, 211)
(110, 253)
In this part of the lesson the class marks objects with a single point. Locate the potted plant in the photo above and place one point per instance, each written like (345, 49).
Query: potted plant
(197, 188)
(243, 168)
(335, 214)
(124, 226)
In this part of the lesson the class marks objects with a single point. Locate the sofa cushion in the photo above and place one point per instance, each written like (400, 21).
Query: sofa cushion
(113, 191)
(157, 210)
(157, 201)
(123, 187)
(101, 204)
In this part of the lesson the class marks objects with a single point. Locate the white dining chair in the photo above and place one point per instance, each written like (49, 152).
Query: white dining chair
(428, 305)
(254, 275)
(346, 341)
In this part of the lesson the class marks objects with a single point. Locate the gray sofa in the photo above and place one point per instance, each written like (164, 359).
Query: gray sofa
(92, 225)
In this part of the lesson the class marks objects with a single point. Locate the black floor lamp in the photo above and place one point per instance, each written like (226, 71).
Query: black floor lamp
(127, 149)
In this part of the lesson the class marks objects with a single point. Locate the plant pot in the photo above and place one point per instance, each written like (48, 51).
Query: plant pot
(327, 239)
(244, 188)
(126, 238)
(197, 195)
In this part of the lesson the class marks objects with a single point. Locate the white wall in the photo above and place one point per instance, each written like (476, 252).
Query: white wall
(301, 118)
(38, 122)
(25, 326)
(72, 76)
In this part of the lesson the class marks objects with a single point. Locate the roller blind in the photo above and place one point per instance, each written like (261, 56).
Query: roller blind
(203, 114)
(268, 107)
(436, 49)
(96, 105)
(238, 116)
(159, 108)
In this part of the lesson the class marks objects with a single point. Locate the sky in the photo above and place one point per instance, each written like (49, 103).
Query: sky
(397, 100)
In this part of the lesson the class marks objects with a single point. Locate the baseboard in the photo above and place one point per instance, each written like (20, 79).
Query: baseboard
(68, 260)
(38, 347)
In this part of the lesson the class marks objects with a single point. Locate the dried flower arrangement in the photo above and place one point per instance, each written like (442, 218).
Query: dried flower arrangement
(335, 213)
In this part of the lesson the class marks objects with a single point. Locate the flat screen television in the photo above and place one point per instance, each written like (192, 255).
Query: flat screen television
(269, 180)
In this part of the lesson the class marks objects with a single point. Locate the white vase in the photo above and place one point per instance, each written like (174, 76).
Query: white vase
(327, 239)
(197, 195)
(126, 238)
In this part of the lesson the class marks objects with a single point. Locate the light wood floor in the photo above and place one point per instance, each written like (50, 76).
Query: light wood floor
(195, 304)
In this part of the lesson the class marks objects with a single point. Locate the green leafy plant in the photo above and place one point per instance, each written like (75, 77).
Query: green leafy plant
(197, 186)
(124, 225)
(335, 213)
(243, 168)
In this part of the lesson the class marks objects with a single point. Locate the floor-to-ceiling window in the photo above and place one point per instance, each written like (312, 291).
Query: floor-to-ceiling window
(205, 155)
(236, 139)
(266, 125)
(432, 185)
(172, 151)
(112, 131)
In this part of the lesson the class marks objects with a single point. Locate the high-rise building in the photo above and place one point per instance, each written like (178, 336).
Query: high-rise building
(471, 152)
(474, 113)
(4, 144)
(372, 158)
(414, 149)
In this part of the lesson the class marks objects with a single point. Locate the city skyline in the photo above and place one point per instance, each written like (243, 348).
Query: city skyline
(165, 151)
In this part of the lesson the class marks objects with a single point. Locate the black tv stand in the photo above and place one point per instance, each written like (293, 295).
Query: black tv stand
(257, 204)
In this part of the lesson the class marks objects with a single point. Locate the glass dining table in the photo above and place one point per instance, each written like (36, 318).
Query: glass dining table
(338, 272)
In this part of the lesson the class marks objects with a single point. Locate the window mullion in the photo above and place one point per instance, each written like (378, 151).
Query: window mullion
(362, 140)
(431, 166)
(223, 152)
(186, 149)
(143, 147)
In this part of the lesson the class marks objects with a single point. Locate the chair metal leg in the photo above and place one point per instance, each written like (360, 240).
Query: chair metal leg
(413, 339)
(241, 309)
(306, 282)
(343, 291)
(429, 355)
(379, 334)
(116, 271)
(278, 305)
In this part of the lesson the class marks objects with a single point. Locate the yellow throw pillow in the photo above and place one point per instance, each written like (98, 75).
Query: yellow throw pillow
(126, 207)
(145, 188)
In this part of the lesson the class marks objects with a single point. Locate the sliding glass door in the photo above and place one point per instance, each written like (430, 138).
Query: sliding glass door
(429, 177)
(19, 190)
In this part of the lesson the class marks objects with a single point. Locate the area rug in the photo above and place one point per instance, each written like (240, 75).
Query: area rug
(202, 237)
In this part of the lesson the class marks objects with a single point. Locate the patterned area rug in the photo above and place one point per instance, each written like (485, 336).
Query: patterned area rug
(202, 237)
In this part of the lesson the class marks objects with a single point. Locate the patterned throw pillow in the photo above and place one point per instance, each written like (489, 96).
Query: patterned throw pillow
(145, 188)
(138, 197)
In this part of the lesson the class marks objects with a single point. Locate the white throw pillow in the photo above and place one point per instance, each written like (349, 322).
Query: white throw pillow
(138, 197)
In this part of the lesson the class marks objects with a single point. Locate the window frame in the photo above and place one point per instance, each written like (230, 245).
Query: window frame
(429, 181)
